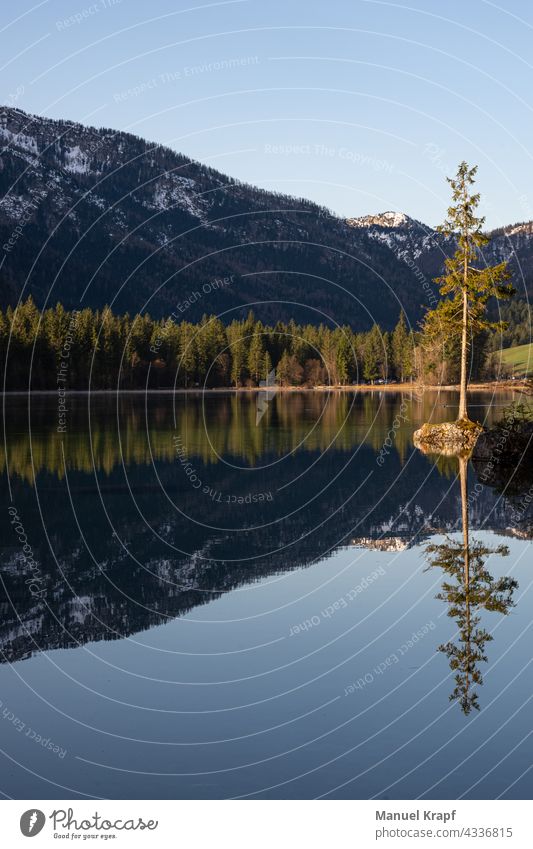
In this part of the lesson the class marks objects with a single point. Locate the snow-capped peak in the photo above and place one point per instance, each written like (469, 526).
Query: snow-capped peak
(405, 236)
(515, 229)
(383, 219)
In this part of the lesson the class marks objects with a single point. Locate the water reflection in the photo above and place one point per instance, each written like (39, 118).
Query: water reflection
(125, 541)
(468, 589)
(105, 432)
(168, 649)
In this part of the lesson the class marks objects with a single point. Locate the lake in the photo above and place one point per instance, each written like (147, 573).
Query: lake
(232, 595)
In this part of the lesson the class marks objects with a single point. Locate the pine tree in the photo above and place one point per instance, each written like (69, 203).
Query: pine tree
(283, 370)
(237, 350)
(187, 354)
(386, 362)
(400, 349)
(256, 355)
(328, 351)
(267, 366)
(469, 285)
(216, 352)
(344, 355)
(373, 354)
(409, 362)
(289, 371)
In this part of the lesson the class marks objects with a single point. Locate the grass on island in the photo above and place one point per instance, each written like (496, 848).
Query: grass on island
(519, 359)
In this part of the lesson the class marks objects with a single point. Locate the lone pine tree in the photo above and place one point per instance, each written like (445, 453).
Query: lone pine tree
(468, 281)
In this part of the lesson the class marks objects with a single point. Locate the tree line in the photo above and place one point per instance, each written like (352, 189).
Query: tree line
(100, 350)
(97, 349)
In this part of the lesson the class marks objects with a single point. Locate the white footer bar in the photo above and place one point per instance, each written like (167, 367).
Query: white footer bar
(266, 824)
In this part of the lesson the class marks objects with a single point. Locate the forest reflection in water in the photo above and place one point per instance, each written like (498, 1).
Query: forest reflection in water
(119, 517)
(159, 597)
(105, 430)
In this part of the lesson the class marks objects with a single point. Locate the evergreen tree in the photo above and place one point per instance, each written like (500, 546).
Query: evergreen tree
(267, 366)
(283, 370)
(401, 353)
(386, 362)
(344, 355)
(187, 354)
(289, 371)
(214, 363)
(256, 355)
(373, 354)
(328, 351)
(466, 280)
(237, 349)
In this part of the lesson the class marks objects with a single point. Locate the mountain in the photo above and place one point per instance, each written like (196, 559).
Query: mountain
(92, 216)
(392, 220)
(424, 249)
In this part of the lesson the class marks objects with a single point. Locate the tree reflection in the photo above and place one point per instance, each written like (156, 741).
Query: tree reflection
(468, 589)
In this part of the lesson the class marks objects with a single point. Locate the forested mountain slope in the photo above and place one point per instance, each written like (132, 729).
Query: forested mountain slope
(93, 216)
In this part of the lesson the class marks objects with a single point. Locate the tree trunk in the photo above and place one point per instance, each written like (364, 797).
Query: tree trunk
(463, 412)
(463, 477)
(463, 474)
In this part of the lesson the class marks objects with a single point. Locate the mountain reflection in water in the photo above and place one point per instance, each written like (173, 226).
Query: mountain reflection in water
(198, 601)
(131, 530)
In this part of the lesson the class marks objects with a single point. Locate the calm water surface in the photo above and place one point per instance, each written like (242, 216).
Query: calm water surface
(232, 596)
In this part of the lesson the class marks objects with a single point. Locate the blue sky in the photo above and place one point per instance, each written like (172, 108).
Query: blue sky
(360, 105)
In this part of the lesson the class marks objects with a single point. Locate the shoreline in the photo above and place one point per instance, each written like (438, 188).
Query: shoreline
(418, 388)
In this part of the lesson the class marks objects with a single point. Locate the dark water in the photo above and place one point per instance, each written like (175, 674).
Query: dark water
(232, 596)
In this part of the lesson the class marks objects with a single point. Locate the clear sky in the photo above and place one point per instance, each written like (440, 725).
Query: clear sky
(362, 105)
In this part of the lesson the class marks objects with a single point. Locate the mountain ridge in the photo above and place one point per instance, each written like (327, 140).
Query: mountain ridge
(93, 216)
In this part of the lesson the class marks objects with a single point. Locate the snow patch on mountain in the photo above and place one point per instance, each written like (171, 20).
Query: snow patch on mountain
(76, 161)
(525, 228)
(383, 219)
(174, 191)
(97, 200)
(19, 140)
(15, 206)
(406, 237)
